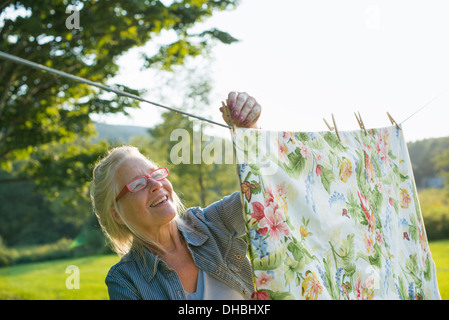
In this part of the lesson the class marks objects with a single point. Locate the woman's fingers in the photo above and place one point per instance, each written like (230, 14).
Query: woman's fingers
(253, 115)
(244, 109)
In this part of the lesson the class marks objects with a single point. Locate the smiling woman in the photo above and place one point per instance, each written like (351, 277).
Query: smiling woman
(169, 252)
(119, 227)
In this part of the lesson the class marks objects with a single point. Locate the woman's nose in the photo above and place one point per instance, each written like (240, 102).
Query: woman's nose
(154, 185)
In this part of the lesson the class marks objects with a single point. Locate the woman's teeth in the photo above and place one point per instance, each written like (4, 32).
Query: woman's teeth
(159, 201)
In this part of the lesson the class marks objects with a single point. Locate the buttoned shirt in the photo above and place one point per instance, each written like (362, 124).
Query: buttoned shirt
(214, 238)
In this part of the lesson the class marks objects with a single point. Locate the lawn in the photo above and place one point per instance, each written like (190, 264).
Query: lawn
(47, 280)
(440, 254)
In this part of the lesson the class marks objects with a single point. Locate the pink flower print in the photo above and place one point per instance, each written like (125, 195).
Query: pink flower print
(358, 290)
(263, 231)
(258, 211)
(283, 151)
(391, 202)
(379, 238)
(269, 196)
(260, 295)
(362, 292)
(369, 245)
(380, 186)
(319, 170)
(263, 280)
(289, 136)
(369, 168)
(258, 214)
(281, 189)
(275, 222)
(311, 287)
(305, 152)
(383, 146)
(367, 210)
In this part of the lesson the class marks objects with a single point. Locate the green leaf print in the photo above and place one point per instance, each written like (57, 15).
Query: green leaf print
(327, 176)
(296, 163)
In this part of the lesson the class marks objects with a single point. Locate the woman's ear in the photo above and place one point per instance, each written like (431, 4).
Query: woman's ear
(116, 216)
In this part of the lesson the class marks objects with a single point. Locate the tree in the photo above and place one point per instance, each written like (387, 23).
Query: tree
(37, 108)
(198, 183)
(442, 165)
(204, 174)
(44, 119)
(422, 155)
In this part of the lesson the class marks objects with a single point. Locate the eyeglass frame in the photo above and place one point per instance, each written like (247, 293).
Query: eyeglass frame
(126, 188)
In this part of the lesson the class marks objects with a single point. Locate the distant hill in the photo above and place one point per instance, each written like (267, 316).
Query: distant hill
(421, 152)
(118, 133)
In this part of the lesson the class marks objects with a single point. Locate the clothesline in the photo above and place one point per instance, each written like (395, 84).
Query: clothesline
(133, 96)
(101, 86)
(426, 104)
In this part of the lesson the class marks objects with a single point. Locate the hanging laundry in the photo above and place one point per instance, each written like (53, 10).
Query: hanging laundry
(330, 219)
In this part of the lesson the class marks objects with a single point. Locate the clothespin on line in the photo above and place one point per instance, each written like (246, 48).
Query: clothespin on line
(334, 128)
(393, 122)
(360, 121)
(228, 114)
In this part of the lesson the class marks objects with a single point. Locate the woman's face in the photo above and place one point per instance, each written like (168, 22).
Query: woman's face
(141, 208)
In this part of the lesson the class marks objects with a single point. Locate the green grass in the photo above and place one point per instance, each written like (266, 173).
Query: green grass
(47, 280)
(440, 255)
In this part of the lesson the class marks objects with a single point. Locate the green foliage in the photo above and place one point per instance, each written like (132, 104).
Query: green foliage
(90, 241)
(201, 171)
(56, 167)
(435, 210)
(46, 197)
(429, 158)
(46, 151)
(37, 108)
(442, 165)
(26, 216)
(196, 182)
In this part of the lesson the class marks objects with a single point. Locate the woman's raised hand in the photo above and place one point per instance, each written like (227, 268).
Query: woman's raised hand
(244, 109)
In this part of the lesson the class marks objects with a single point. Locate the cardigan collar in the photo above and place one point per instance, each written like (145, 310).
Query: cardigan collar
(148, 262)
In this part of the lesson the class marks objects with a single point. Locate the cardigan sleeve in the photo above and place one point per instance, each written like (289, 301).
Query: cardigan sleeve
(229, 211)
(119, 289)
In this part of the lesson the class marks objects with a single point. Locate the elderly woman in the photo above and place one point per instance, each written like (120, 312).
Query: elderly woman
(168, 252)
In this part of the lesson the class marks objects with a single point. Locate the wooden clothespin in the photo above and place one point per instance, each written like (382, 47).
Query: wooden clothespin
(360, 121)
(334, 128)
(328, 125)
(228, 115)
(393, 122)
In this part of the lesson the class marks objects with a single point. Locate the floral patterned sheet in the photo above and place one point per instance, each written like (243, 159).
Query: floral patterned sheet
(333, 220)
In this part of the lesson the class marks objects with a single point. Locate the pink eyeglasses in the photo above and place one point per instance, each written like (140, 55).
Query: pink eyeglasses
(141, 182)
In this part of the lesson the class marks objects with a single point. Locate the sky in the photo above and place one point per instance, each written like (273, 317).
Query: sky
(305, 60)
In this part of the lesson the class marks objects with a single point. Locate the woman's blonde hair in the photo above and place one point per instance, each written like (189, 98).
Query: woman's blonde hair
(103, 192)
